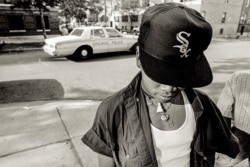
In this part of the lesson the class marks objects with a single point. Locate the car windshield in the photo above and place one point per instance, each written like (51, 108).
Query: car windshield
(77, 32)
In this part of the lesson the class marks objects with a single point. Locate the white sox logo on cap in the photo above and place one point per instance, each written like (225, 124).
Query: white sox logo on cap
(184, 44)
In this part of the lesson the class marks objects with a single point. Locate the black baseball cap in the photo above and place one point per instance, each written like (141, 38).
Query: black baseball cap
(172, 40)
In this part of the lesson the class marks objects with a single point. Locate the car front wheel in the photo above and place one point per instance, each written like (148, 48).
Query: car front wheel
(83, 53)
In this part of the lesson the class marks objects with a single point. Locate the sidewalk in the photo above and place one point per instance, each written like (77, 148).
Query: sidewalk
(48, 133)
(39, 134)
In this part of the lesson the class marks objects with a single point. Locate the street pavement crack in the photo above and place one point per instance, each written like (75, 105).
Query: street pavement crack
(33, 148)
(70, 139)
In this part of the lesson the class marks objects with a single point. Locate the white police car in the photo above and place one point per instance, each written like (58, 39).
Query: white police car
(82, 42)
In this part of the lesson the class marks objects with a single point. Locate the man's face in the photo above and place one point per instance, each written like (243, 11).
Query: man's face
(160, 92)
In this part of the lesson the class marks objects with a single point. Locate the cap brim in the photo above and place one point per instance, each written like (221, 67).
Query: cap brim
(194, 74)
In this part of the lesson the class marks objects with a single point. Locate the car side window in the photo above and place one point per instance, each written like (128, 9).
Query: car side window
(113, 33)
(98, 33)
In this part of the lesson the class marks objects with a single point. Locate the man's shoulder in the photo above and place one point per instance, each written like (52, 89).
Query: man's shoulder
(114, 98)
(123, 95)
(243, 74)
(201, 93)
(203, 96)
(117, 99)
(196, 92)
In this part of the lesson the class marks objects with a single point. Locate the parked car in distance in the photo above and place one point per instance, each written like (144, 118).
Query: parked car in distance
(83, 42)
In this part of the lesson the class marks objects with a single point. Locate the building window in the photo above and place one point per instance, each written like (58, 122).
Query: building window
(16, 23)
(134, 18)
(125, 18)
(39, 22)
(221, 31)
(124, 27)
(223, 19)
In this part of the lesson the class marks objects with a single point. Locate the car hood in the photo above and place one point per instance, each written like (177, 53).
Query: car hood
(61, 39)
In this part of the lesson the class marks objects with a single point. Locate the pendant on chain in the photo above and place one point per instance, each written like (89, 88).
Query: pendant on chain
(165, 117)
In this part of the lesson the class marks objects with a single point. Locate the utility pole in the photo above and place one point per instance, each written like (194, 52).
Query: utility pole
(105, 13)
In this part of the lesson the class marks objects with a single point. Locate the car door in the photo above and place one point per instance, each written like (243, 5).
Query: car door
(100, 42)
(116, 40)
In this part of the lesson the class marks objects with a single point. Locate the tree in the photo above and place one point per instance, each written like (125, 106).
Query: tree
(40, 4)
(78, 8)
(73, 8)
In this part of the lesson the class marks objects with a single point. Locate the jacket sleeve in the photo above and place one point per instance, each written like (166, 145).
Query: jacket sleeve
(227, 143)
(97, 137)
(219, 136)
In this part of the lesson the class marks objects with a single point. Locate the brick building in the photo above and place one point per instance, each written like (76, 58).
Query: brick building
(26, 21)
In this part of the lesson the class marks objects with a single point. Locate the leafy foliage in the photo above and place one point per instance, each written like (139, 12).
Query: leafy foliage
(27, 4)
(78, 8)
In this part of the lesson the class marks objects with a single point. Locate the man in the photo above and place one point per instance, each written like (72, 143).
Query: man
(159, 119)
(234, 103)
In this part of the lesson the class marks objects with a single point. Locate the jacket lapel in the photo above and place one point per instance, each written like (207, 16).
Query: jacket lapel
(144, 117)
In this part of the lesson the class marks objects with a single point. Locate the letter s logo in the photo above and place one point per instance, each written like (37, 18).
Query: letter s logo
(183, 48)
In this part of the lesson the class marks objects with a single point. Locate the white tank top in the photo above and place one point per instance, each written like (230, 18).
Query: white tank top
(172, 148)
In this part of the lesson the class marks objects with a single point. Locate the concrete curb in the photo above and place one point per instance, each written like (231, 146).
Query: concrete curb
(20, 47)
(19, 50)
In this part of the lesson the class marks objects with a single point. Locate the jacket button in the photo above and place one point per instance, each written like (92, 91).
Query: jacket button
(204, 158)
(127, 156)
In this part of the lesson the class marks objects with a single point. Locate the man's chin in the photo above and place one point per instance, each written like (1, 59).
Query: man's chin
(164, 99)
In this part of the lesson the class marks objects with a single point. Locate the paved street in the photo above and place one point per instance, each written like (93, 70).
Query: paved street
(99, 77)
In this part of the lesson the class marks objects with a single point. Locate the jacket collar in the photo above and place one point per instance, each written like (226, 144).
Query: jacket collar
(195, 102)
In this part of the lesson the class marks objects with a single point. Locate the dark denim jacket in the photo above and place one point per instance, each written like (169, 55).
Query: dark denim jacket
(122, 130)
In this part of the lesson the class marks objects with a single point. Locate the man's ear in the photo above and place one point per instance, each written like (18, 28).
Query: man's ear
(138, 62)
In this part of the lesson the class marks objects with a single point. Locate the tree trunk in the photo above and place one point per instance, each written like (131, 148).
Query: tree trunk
(43, 24)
